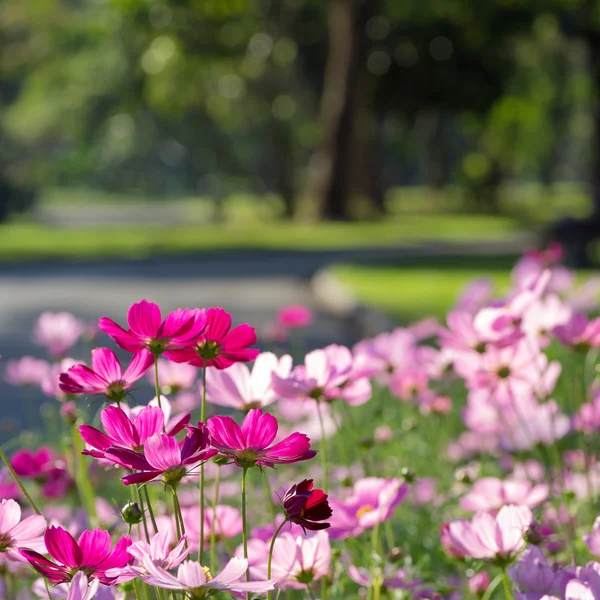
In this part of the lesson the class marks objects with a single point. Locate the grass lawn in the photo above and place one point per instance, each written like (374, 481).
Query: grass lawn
(23, 240)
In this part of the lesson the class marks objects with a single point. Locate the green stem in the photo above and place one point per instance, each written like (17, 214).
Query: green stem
(136, 587)
(157, 386)
(81, 476)
(6, 462)
(492, 587)
(245, 524)
(143, 509)
(150, 511)
(213, 529)
(271, 547)
(47, 589)
(375, 574)
(506, 582)
(323, 448)
(201, 490)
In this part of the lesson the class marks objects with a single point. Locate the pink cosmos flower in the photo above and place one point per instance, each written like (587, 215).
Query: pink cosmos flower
(475, 295)
(27, 370)
(327, 374)
(57, 332)
(219, 346)
(106, 375)
(163, 455)
(80, 588)
(18, 533)
(543, 317)
(91, 553)
(588, 417)
(174, 377)
(295, 316)
(33, 465)
(250, 444)
(393, 579)
(147, 330)
(479, 583)
(373, 501)
(242, 388)
(387, 352)
(579, 333)
(488, 537)
(297, 561)
(128, 431)
(197, 580)
(592, 540)
(490, 493)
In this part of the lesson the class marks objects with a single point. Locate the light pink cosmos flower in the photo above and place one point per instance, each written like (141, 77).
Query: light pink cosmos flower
(163, 455)
(479, 583)
(18, 533)
(197, 580)
(128, 431)
(27, 370)
(91, 553)
(592, 540)
(490, 494)
(242, 388)
(174, 377)
(579, 333)
(373, 501)
(79, 589)
(488, 537)
(541, 319)
(295, 316)
(327, 374)
(387, 352)
(475, 295)
(250, 444)
(58, 332)
(227, 524)
(106, 375)
(297, 561)
(147, 330)
(219, 346)
(588, 417)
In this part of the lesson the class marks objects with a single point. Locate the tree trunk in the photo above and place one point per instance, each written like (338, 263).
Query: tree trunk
(329, 184)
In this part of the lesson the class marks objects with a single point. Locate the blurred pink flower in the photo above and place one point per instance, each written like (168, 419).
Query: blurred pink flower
(174, 377)
(579, 333)
(50, 382)
(479, 583)
(533, 575)
(393, 579)
(228, 524)
(242, 388)
(490, 494)
(488, 537)
(57, 332)
(295, 316)
(592, 540)
(26, 370)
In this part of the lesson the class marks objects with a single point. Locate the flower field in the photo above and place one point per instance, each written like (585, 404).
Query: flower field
(448, 459)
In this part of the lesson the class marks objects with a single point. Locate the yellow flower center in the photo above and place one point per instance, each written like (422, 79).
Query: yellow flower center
(363, 510)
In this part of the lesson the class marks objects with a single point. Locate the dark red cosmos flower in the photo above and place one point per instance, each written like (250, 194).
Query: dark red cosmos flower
(306, 507)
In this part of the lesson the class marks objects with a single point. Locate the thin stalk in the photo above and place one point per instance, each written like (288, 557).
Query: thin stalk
(375, 577)
(143, 509)
(245, 525)
(201, 490)
(150, 511)
(506, 582)
(47, 589)
(178, 515)
(269, 596)
(136, 587)
(82, 481)
(213, 530)
(492, 587)
(6, 462)
(157, 386)
(323, 449)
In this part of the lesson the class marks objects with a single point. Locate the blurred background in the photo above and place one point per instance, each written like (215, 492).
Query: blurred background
(224, 152)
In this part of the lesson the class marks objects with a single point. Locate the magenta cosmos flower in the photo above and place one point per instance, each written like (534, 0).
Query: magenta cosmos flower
(219, 346)
(306, 506)
(163, 455)
(147, 330)
(91, 553)
(294, 316)
(488, 537)
(197, 580)
(131, 432)
(17, 533)
(106, 375)
(250, 444)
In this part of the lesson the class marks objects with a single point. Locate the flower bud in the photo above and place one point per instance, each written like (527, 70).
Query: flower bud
(408, 475)
(132, 514)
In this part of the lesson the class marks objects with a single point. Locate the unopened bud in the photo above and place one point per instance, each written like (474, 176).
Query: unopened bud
(408, 475)
(533, 534)
(396, 555)
(132, 514)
